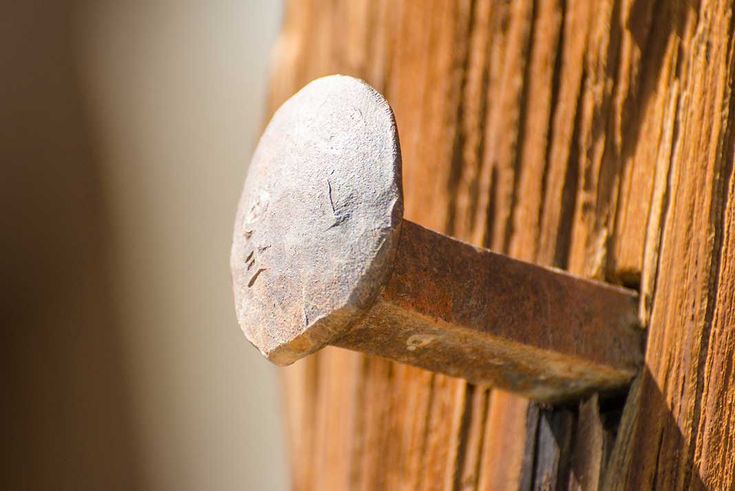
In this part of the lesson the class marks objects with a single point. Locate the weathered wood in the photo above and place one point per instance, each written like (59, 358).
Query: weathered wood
(594, 136)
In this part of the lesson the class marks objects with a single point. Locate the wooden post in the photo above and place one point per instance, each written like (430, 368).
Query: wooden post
(592, 136)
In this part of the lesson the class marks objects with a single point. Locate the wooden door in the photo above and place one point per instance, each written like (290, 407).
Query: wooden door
(594, 136)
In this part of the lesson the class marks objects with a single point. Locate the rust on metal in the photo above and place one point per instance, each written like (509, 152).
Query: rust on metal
(318, 219)
(321, 255)
(488, 318)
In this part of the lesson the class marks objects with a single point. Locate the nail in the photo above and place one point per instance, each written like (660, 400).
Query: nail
(322, 256)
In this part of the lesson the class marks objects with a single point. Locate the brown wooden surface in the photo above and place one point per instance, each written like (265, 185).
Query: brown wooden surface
(593, 136)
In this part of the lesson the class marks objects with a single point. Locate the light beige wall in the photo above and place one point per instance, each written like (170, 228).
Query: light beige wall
(125, 131)
(175, 91)
(64, 413)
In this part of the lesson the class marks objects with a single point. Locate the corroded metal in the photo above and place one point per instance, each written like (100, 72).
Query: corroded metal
(468, 312)
(321, 256)
(317, 223)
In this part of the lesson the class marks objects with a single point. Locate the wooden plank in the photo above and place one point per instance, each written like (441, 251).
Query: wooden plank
(510, 439)
(554, 442)
(590, 446)
(667, 443)
(590, 135)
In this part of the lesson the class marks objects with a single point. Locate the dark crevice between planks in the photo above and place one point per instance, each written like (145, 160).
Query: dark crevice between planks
(611, 413)
(496, 163)
(488, 237)
(523, 113)
(555, 435)
(555, 91)
(422, 450)
(659, 449)
(474, 187)
(465, 480)
(569, 193)
(529, 454)
(457, 160)
(666, 200)
(463, 436)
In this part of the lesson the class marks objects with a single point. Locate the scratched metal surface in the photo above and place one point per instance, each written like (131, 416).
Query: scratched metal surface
(318, 219)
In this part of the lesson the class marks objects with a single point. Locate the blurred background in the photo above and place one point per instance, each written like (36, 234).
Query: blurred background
(125, 131)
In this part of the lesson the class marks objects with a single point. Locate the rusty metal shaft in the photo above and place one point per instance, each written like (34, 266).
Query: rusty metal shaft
(453, 308)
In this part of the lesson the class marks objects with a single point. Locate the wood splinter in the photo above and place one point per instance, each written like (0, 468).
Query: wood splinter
(322, 255)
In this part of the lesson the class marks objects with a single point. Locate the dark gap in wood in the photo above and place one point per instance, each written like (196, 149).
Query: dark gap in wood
(659, 448)
(569, 193)
(529, 454)
(521, 130)
(611, 416)
(481, 430)
(501, 21)
(567, 433)
(474, 188)
(555, 89)
(356, 450)
(627, 279)
(611, 410)
(455, 171)
(554, 444)
(469, 393)
(425, 436)
(491, 206)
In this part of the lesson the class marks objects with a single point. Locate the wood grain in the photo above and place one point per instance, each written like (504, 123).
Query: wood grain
(594, 136)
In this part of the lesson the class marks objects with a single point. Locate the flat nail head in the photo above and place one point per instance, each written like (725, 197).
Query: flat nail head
(318, 220)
